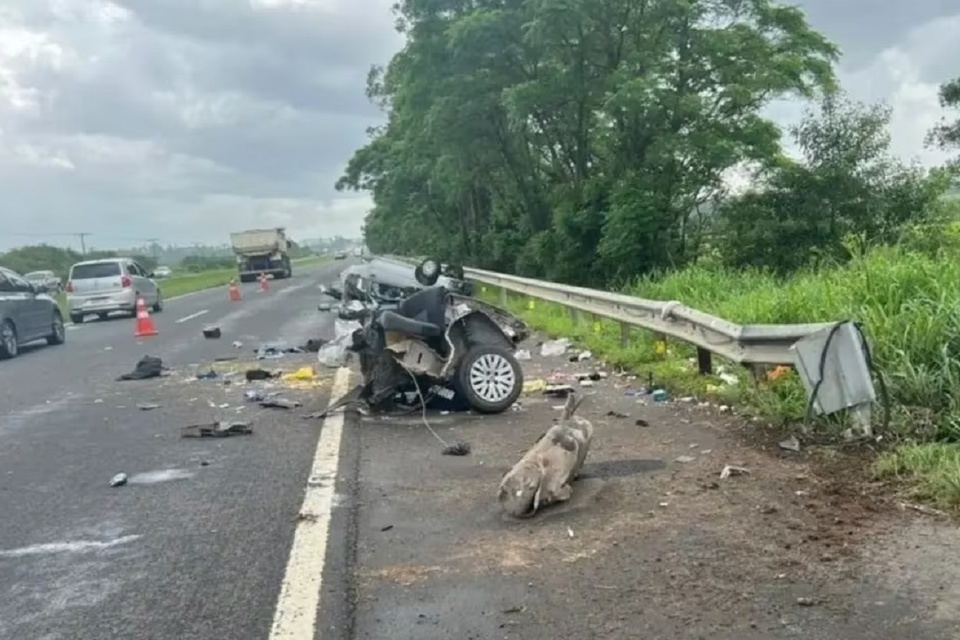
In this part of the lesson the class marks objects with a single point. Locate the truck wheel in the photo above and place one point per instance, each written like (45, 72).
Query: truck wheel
(490, 377)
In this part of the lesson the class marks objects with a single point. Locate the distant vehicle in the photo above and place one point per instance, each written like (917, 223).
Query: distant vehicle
(162, 272)
(261, 251)
(340, 255)
(27, 314)
(46, 280)
(103, 286)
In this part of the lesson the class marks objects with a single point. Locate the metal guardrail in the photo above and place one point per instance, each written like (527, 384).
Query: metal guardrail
(744, 344)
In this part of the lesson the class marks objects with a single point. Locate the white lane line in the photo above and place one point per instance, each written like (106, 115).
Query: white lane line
(193, 315)
(295, 617)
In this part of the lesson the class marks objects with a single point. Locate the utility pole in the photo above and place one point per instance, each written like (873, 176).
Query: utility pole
(83, 244)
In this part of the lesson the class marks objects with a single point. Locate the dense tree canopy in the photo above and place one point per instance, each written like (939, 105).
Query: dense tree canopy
(947, 133)
(589, 141)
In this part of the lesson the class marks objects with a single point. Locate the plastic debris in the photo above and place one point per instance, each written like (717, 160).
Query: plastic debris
(660, 395)
(790, 444)
(147, 367)
(729, 378)
(147, 406)
(558, 390)
(211, 332)
(313, 345)
(279, 403)
(237, 344)
(303, 374)
(533, 386)
(584, 355)
(730, 470)
(272, 350)
(553, 348)
(215, 430)
(255, 395)
(523, 355)
(118, 480)
(258, 374)
(334, 354)
(209, 375)
(685, 459)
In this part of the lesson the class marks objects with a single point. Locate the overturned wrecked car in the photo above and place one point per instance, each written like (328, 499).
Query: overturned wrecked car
(436, 347)
(382, 283)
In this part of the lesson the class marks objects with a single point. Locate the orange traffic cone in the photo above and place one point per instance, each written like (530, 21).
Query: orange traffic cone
(234, 292)
(145, 326)
(264, 283)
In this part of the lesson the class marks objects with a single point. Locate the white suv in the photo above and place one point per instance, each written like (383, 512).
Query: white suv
(112, 284)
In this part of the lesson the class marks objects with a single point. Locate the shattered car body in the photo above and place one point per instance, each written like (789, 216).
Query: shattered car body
(381, 283)
(439, 344)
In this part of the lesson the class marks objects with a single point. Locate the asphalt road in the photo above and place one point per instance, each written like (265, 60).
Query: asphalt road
(196, 545)
(360, 529)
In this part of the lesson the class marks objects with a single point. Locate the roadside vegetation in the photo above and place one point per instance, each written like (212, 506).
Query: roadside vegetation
(598, 142)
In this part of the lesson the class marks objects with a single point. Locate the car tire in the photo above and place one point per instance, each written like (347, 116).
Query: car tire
(76, 318)
(58, 333)
(490, 377)
(158, 305)
(9, 345)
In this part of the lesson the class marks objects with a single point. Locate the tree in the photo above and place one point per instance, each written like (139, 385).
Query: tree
(847, 186)
(946, 135)
(572, 139)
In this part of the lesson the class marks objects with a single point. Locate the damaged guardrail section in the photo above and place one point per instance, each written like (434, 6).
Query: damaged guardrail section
(832, 358)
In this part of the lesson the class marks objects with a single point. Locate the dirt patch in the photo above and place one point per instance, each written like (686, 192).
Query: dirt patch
(654, 541)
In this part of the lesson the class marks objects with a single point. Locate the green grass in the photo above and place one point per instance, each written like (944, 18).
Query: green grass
(907, 301)
(931, 471)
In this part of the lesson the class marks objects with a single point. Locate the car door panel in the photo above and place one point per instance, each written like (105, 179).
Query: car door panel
(35, 309)
(18, 305)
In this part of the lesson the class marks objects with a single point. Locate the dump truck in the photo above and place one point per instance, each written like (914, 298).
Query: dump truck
(261, 251)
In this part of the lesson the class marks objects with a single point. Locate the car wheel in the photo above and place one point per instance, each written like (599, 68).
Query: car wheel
(103, 316)
(58, 335)
(158, 305)
(491, 378)
(76, 318)
(9, 347)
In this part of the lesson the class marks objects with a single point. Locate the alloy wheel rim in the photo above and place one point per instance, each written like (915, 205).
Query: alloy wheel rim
(492, 377)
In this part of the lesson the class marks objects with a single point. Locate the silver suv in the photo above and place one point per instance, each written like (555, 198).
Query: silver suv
(112, 284)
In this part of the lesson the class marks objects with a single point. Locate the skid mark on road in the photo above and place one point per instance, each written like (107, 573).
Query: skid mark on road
(295, 617)
(19, 419)
(73, 546)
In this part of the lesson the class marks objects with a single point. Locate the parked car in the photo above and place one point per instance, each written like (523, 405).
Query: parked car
(113, 284)
(340, 255)
(27, 314)
(162, 272)
(46, 280)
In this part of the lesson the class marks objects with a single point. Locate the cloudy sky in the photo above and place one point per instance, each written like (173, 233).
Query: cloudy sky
(183, 119)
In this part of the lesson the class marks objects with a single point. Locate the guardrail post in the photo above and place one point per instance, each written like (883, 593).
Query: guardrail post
(704, 361)
(624, 335)
(574, 315)
(503, 297)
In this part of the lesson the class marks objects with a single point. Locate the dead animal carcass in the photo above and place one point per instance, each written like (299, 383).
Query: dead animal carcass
(546, 472)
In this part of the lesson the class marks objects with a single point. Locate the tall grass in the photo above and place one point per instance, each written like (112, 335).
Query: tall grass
(907, 301)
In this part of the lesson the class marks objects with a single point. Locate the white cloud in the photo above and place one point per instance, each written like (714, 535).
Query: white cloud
(189, 118)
